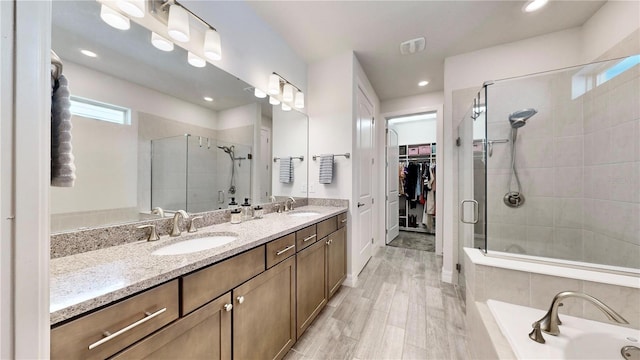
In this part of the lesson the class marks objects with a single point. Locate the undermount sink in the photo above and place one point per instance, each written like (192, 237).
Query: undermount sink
(198, 244)
(303, 213)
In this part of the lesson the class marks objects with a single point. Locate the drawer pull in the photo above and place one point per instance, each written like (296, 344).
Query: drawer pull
(343, 221)
(309, 238)
(285, 249)
(228, 307)
(109, 336)
(329, 241)
(240, 299)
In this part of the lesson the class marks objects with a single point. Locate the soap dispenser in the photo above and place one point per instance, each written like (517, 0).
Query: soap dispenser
(233, 204)
(246, 210)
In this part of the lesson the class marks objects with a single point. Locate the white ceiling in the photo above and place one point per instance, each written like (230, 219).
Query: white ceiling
(374, 30)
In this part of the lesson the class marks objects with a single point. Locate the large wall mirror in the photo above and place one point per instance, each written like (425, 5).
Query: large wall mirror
(144, 136)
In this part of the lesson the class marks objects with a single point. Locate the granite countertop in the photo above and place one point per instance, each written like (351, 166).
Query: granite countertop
(86, 281)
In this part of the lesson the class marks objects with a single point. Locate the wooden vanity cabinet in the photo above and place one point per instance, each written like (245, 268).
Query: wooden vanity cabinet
(311, 283)
(203, 334)
(336, 245)
(264, 314)
(105, 332)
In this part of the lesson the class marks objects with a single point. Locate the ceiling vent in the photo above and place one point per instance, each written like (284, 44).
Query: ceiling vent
(412, 46)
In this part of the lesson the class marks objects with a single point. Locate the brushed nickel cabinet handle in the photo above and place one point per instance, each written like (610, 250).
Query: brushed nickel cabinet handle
(228, 307)
(343, 221)
(309, 238)
(240, 299)
(109, 336)
(329, 241)
(285, 250)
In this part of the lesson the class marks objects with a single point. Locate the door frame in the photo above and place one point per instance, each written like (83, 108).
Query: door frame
(439, 110)
(386, 186)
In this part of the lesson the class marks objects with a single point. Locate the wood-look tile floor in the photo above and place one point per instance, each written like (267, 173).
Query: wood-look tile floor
(399, 310)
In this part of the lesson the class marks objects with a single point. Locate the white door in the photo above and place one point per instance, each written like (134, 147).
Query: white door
(392, 203)
(364, 191)
(265, 165)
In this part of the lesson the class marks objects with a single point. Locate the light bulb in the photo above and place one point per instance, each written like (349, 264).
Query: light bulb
(286, 107)
(195, 60)
(259, 93)
(114, 18)
(287, 92)
(299, 103)
(273, 101)
(534, 5)
(161, 43)
(133, 8)
(274, 84)
(212, 47)
(178, 24)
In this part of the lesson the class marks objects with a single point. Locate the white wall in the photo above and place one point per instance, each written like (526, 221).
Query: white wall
(246, 115)
(289, 139)
(613, 22)
(251, 49)
(416, 132)
(412, 104)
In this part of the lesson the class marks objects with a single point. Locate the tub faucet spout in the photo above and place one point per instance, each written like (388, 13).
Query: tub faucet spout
(550, 321)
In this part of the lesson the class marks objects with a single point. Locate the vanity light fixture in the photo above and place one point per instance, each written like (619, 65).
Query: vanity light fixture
(114, 18)
(133, 8)
(290, 93)
(534, 5)
(299, 103)
(273, 101)
(259, 93)
(178, 23)
(161, 43)
(423, 83)
(209, 99)
(212, 47)
(195, 60)
(88, 53)
(286, 107)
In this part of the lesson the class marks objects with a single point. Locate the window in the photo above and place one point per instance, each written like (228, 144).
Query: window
(618, 69)
(593, 75)
(92, 109)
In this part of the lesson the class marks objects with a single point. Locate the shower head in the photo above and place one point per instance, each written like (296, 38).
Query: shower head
(226, 149)
(519, 118)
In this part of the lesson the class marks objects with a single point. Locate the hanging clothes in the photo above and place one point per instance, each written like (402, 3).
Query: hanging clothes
(411, 181)
(402, 175)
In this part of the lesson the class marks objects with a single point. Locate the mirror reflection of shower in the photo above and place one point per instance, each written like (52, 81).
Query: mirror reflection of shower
(518, 119)
(229, 151)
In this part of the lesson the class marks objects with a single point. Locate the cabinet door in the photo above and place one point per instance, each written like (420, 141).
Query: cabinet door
(264, 309)
(310, 284)
(203, 334)
(336, 260)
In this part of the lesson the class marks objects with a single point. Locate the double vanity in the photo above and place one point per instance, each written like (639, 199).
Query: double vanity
(250, 292)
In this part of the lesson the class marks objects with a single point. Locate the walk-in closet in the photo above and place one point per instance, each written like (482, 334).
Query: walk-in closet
(412, 167)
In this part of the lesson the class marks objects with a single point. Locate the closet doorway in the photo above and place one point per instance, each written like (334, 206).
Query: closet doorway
(411, 182)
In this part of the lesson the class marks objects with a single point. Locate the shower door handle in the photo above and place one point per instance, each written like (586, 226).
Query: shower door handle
(475, 211)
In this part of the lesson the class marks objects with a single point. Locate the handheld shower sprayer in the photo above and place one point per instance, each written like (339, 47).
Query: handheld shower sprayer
(517, 119)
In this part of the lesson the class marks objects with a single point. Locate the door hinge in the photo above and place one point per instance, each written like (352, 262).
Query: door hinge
(373, 161)
(373, 201)
(458, 141)
(458, 267)
(386, 197)
(373, 121)
(372, 240)
(386, 231)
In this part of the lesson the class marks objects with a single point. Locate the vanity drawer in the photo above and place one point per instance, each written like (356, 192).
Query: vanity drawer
(306, 237)
(342, 220)
(328, 226)
(131, 319)
(207, 284)
(280, 249)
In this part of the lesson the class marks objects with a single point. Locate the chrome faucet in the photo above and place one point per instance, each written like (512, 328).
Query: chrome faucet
(158, 211)
(175, 231)
(272, 198)
(288, 204)
(550, 321)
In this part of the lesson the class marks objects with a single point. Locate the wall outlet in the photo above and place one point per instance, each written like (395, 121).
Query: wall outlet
(304, 188)
(312, 188)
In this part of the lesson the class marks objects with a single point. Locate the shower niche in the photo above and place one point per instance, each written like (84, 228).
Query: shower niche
(197, 173)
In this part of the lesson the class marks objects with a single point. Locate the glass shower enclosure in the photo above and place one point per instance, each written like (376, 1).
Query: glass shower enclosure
(197, 174)
(558, 173)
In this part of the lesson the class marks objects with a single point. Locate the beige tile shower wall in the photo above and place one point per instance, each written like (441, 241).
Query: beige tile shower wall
(537, 291)
(579, 164)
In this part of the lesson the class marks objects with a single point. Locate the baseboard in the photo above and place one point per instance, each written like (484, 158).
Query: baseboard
(447, 276)
(350, 281)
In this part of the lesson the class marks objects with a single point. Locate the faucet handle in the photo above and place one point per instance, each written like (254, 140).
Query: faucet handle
(536, 333)
(153, 235)
(192, 225)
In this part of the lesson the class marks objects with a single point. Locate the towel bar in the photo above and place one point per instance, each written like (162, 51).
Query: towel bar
(347, 155)
(301, 158)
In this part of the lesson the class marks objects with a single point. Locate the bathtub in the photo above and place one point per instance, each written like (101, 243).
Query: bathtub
(579, 338)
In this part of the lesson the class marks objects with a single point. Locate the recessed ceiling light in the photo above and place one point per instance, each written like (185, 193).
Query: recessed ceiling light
(423, 83)
(209, 99)
(534, 5)
(88, 53)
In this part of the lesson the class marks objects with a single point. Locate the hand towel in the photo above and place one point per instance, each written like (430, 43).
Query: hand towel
(326, 169)
(286, 170)
(63, 170)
